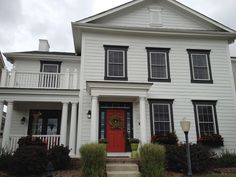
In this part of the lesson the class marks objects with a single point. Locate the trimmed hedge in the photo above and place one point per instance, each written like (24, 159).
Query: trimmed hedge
(176, 160)
(152, 160)
(93, 160)
(59, 156)
(168, 139)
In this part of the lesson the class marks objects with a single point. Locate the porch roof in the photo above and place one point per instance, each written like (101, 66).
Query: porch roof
(118, 88)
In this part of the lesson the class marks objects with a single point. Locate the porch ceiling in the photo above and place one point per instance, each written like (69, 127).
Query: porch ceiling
(117, 88)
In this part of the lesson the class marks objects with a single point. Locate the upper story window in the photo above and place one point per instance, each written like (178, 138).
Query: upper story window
(161, 117)
(205, 118)
(158, 64)
(116, 62)
(200, 67)
(50, 67)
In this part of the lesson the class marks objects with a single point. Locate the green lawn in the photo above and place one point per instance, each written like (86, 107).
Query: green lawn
(217, 175)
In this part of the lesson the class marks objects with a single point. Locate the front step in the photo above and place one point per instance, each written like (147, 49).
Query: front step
(123, 174)
(122, 167)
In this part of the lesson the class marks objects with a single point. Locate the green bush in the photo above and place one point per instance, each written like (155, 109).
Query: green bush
(59, 156)
(5, 159)
(168, 139)
(213, 140)
(226, 159)
(29, 140)
(152, 160)
(92, 160)
(176, 160)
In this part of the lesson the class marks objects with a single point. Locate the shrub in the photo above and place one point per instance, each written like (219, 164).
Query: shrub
(226, 159)
(168, 139)
(176, 160)
(59, 156)
(29, 160)
(5, 159)
(133, 140)
(29, 140)
(152, 159)
(213, 140)
(92, 160)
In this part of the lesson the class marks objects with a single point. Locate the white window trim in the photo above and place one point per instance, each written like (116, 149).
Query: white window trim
(48, 64)
(123, 63)
(208, 69)
(213, 114)
(153, 121)
(150, 62)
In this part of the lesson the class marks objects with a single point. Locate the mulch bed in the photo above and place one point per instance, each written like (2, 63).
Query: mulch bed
(225, 170)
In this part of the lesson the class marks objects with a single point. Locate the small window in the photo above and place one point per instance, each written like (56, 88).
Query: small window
(50, 67)
(158, 64)
(116, 62)
(206, 119)
(161, 117)
(200, 66)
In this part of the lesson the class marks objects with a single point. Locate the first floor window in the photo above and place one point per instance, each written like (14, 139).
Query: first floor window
(158, 64)
(161, 117)
(206, 119)
(116, 62)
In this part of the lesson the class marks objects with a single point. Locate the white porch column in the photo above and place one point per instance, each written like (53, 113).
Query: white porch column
(73, 129)
(3, 77)
(143, 134)
(64, 123)
(94, 118)
(6, 132)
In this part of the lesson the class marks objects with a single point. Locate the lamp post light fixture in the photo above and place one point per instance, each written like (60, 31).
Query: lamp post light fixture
(185, 125)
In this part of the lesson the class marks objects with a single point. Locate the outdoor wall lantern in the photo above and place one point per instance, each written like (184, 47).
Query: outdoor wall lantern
(23, 120)
(89, 114)
(185, 125)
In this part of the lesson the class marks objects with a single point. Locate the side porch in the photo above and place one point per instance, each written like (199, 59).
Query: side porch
(50, 115)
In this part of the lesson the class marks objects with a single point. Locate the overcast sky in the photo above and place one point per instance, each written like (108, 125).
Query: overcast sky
(23, 22)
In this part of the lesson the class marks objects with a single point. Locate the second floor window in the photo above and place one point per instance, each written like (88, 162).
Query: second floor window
(158, 64)
(50, 67)
(116, 62)
(200, 67)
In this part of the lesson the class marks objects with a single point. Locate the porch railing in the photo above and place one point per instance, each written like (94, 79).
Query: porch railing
(50, 140)
(18, 79)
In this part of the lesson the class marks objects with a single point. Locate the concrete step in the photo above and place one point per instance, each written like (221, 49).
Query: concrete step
(121, 167)
(123, 174)
(121, 160)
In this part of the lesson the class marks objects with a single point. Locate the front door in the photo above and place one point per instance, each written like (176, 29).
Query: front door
(115, 130)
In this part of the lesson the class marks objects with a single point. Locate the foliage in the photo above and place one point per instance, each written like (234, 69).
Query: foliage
(29, 140)
(59, 156)
(217, 175)
(5, 159)
(213, 140)
(167, 139)
(152, 159)
(226, 159)
(29, 160)
(103, 141)
(133, 140)
(176, 160)
(92, 160)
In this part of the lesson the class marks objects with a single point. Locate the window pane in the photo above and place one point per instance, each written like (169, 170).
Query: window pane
(50, 68)
(116, 63)
(199, 60)
(200, 73)
(158, 65)
(158, 59)
(161, 118)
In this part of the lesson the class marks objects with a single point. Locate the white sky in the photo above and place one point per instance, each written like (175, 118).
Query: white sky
(23, 22)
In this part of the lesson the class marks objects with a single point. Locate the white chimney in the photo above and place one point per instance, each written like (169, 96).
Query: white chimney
(44, 45)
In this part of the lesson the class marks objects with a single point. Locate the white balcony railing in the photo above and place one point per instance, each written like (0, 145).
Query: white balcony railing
(16, 79)
(50, 140)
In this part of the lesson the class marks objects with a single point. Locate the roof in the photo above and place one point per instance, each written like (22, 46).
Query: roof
(48, 53)
(2, 64)
(134, 2)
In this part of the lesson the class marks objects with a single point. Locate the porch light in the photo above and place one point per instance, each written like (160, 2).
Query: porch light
(185, 125)
(23, 120)
(89, 114)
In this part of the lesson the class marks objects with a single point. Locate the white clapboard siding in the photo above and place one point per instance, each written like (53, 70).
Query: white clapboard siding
(233, 61)
(180, 88)
(139, 16)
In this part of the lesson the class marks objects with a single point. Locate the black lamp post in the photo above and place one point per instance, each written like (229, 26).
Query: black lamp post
(185, 125)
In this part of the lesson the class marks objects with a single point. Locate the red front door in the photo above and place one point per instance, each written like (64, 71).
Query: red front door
(115, 130)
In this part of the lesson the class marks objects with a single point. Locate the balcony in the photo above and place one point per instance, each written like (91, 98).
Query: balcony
(42, 80)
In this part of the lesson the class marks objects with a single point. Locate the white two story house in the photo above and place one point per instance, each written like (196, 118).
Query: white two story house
(137, 71)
